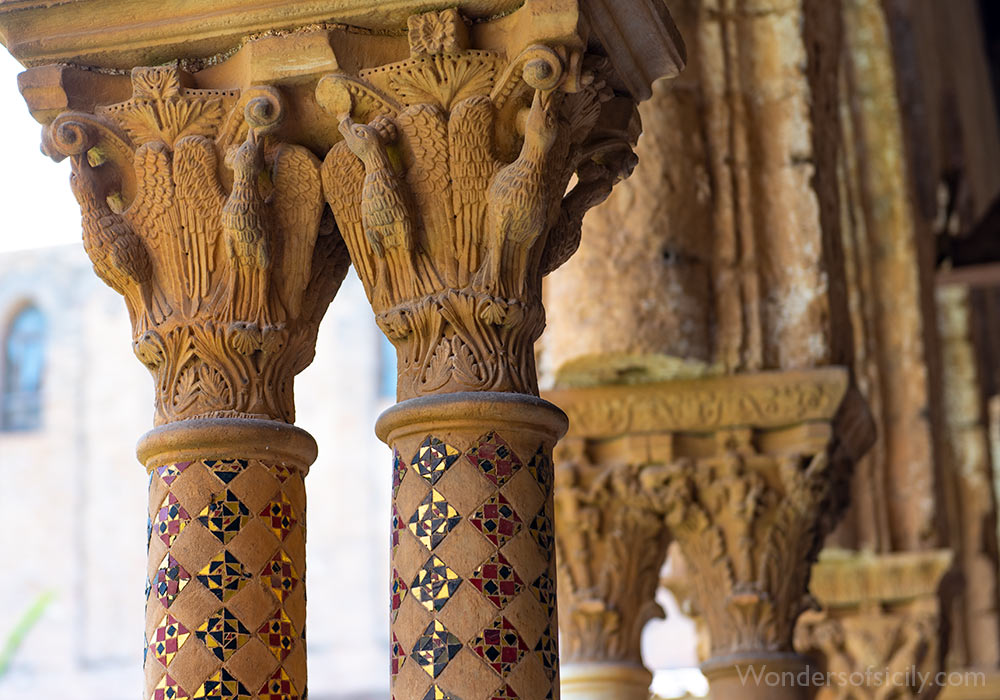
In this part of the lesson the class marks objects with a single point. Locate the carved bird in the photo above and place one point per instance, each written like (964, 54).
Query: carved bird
(119, 256)
(517, 208)
(384, 213)
(296, 206)
(200, 199)
(245, 228)
(472, 164)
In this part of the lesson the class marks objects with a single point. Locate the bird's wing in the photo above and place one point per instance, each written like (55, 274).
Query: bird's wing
(197, 186)
(154, 195)
(424, 142)
(473, 165)
(297, 205)
(343, 181)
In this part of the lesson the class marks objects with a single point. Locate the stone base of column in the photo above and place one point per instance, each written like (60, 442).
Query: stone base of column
(226, 601)
(761, 676)
(473, 592)
(596, 681)
(879, 623)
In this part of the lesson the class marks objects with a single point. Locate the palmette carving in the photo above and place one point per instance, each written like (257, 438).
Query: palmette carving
(225, 289)
(607, 585)
(450, 192)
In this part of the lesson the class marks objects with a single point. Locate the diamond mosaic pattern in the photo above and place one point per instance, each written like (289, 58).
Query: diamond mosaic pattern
(433, 459)
(170, 520)
(541, 530)
(226, 470)
(398, 471)
(398, 525)
(167, 689)
(496, 579)
(279, 516)
(398, 656)
(433, 519)
(497, 520)
(225, 516)
(278, 687)
(170, 579)
(223, 686)
(543, 590)
(170, 472)
(504, 692)
(495, 459)
(168, 637)
(279, 575)
(397, 591)
(500, 646)
(435, 693)
(540, 467)
(434, 584)
(278, 634)
(435, 648)
(282, 471)
(224, 576)
(547, 650)
(223, 634)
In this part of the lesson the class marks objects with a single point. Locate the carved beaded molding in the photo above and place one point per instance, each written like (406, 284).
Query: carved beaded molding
(447, 175)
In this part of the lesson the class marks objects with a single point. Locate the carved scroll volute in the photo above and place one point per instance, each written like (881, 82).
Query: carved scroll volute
(209, 226)
(448, 189)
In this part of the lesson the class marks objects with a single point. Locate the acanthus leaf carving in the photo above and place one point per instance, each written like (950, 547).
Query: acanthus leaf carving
(449, 189)
(215, 275)
(607, 586)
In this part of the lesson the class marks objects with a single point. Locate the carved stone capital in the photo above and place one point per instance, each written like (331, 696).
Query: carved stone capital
(607, 584)
(211, 228)
(749, 474)
(877, 632)
(450, 189)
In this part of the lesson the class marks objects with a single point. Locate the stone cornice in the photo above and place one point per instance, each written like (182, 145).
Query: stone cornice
(762, 401)
(842, 579)
(639, 35)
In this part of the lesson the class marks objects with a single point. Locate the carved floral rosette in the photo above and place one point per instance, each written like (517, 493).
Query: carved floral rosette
(210, 227)
(450, 190)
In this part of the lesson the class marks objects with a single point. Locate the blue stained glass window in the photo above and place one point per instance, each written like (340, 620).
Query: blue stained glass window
(23, 371)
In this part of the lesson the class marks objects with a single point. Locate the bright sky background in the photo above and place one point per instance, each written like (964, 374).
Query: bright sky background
(37, 207)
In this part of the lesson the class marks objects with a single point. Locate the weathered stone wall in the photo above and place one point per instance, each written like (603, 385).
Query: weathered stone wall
(722, 252)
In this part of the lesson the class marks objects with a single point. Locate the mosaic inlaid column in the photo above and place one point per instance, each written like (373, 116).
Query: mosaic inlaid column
(225, 600)
(452, 191)
(449, 141)
(225, 283)
(473, 607)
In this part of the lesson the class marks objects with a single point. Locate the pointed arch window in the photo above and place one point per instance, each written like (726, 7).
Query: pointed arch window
(23, 370)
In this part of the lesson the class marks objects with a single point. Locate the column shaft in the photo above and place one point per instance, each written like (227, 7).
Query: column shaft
(473, 608)
(226, 598)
